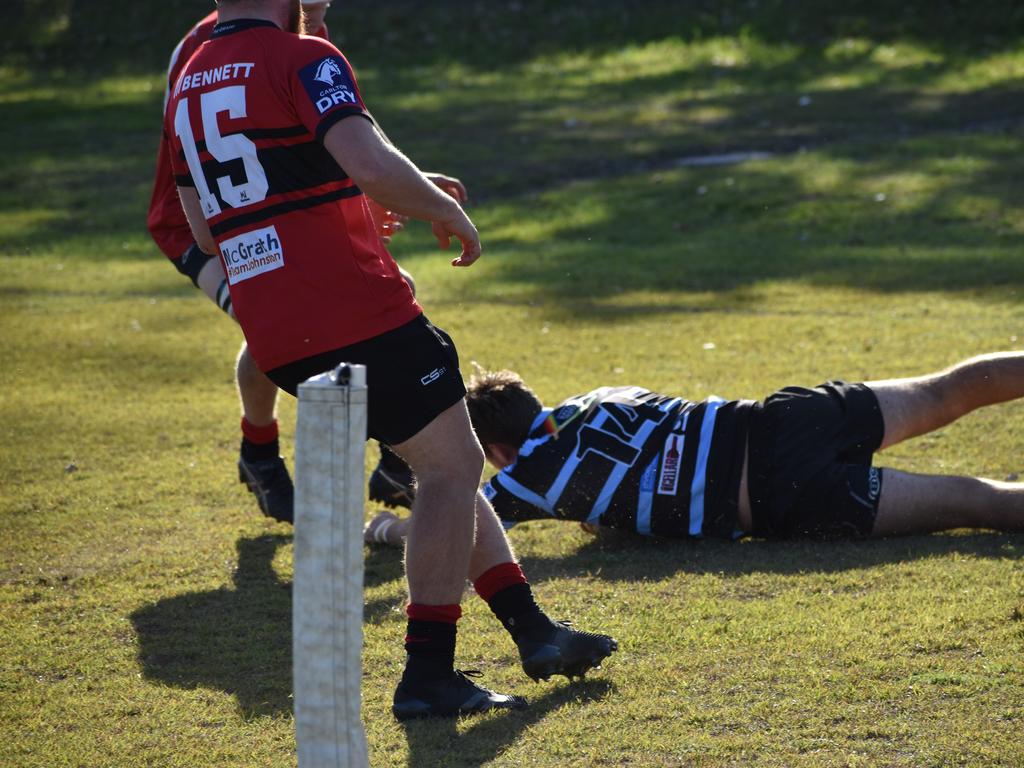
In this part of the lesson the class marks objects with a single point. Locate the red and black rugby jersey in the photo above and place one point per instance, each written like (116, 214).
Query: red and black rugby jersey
(165, 220)
(305, 265)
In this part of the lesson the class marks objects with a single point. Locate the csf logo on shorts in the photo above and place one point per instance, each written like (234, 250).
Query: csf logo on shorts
(329, 84)
(874, 483)
(433, 376)
(254, 253)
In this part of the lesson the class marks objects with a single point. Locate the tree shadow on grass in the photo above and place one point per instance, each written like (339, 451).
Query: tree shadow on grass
(488, 737)
(235, 639)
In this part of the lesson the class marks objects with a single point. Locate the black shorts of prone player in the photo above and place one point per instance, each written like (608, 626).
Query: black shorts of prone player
(412, 376)
(810, 473)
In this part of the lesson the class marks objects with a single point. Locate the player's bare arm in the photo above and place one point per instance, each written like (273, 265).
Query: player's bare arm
(391, 179)
(196, 220)
(449, 185)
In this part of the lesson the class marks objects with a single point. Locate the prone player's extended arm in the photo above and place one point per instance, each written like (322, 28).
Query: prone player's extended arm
(196, 220)
(390, 178)
(386, 528)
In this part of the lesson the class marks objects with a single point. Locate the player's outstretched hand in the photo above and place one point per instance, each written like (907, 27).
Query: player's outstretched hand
(461, 227)
(382, 530)
(450, 185)
(387, 223)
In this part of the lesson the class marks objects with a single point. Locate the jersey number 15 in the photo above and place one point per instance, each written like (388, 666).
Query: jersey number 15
(225, 149)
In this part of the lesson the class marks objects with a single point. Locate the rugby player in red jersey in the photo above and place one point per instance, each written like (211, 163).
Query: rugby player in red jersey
(274, 154)
(795, 465)
(259, 464)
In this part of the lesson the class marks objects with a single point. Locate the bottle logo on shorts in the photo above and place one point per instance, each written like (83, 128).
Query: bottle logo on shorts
(433, 376)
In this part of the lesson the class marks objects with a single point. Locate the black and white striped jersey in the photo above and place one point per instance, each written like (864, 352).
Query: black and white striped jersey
(629, 458)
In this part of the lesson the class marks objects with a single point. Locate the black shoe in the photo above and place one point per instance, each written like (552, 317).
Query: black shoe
(555, 648)
(449, 696)
(392, 483)
(269, 481)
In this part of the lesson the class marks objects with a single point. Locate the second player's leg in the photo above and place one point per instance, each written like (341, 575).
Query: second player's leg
(491, 546)
(212, 281)
(545, 647)
(257, 393)
(916, 504)
(922, 404)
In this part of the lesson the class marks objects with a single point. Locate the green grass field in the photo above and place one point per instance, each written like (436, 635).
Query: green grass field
(145, 603)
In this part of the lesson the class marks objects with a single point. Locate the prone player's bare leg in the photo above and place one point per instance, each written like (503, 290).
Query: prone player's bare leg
(910, 503)
(916, 504)
(918, 405)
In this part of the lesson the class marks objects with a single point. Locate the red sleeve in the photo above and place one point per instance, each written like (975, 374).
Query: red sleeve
(323, 85)
(198, 35)
(165, 219)
(179, 167)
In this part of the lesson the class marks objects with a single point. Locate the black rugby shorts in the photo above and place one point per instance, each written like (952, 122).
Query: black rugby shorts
(412, 376)
(810, 452)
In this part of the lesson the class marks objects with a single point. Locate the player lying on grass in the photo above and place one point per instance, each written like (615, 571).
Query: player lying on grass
(260, 466)
(794, 465)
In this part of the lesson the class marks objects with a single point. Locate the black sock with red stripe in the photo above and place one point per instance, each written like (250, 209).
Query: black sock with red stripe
(259, 443)
(506, 590)
(430, 641)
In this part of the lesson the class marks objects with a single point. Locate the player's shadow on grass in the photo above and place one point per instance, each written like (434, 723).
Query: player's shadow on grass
(489, 735)
(235, 639)
(616, 556)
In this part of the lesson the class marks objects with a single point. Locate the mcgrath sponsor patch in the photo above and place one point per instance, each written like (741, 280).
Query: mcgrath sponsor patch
(671, 458)
(329, 84)
(252, 254)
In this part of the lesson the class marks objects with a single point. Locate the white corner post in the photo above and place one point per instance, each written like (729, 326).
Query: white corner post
(327, 592)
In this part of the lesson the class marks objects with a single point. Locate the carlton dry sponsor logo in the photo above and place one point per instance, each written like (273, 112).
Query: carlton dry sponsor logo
(327, 71)
(329, 84)
(252, 254)
(668, 480)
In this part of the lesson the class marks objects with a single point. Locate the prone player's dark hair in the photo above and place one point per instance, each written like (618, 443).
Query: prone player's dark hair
(501, 407)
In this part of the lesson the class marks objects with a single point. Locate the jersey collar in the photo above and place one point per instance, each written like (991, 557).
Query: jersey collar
(240, 25)
(544, 413)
